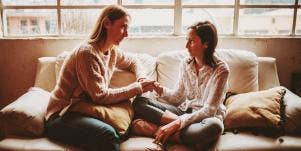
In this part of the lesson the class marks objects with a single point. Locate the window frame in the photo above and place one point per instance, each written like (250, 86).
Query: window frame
(178, 6)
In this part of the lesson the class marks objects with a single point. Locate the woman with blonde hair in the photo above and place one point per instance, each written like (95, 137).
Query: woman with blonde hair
(85, 76)
(195, 111)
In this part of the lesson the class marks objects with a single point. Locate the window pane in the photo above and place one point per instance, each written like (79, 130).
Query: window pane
(222, 18)
(265, 21)
(228, 2)
(88, 2)
(29, 2)
(151, 21)
(148, 2)
(79, 21)
(268, 2)
(298, 23)
(31, 22)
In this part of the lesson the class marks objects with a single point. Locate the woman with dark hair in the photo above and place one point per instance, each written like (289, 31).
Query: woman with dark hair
(195, 111)
(85, 76)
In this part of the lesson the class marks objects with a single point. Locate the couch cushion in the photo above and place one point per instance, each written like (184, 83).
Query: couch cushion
(260, 109)
(120, 77)
(137, 143)
(31, 144)
(292, 113)
(25, 116)
(267, 73)
(243, 68)
(45, 74)
(250, 142)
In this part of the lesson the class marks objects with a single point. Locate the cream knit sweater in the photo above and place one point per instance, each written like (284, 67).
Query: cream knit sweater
(88, 71)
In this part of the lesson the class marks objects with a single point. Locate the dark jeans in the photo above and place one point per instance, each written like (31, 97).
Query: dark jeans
(203, 132)
(85, 132)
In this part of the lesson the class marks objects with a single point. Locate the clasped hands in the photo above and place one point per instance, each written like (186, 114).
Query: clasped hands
(150, 85)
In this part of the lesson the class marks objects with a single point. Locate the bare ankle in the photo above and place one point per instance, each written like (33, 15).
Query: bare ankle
(168, 117)
(144, 128)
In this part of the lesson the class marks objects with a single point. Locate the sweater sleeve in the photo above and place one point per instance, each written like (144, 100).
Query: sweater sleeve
(177, 95)
(90, 73)
(131, 63)
(215, 93)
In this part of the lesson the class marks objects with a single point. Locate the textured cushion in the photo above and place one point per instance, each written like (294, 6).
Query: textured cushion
(246, 141)
(117, 115)
(267, 73)
(22, 143)
(243, 68)
(25, 116)
(45, 74)
(260, 109)
(292, 113)
(59, 62)
(140, 144)
(120, 77)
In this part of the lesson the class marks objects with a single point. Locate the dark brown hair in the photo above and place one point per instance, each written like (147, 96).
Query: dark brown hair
(112, 12)
(207, 33)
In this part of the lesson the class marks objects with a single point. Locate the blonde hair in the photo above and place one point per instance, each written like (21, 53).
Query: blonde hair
(112, 12)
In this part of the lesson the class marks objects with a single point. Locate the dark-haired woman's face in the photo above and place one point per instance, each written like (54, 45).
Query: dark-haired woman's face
(194, 44)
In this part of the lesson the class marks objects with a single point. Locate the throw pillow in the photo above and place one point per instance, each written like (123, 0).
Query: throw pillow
(261, 109)
(118, 115)
(292, 113)
(25, 116)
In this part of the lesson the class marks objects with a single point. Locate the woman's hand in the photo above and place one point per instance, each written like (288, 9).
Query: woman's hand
(166, 131)
(146, 84)
(158, 88)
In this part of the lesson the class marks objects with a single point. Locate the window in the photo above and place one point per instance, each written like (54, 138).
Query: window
(151, 17)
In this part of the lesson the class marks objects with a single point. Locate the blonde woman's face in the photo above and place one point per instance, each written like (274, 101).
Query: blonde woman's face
(194, 44)
(118, 30)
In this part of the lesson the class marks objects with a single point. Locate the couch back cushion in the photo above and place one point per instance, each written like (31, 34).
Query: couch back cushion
(120, 77)
(45, 74)
(267, 73)
(243, 69)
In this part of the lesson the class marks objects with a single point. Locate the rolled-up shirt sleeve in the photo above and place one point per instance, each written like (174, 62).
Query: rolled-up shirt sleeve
(215, 92)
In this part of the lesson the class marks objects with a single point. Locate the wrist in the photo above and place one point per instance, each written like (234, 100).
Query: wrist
(140, 87)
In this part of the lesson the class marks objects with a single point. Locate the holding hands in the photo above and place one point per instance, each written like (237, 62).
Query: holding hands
(150, 85)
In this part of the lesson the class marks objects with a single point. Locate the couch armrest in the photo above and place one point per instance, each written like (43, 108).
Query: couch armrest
(45, 74)
(267, 73)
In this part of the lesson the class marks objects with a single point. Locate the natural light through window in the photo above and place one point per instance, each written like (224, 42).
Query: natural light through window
(22, 18)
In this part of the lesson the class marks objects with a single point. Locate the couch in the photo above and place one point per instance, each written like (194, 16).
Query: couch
(248, 73)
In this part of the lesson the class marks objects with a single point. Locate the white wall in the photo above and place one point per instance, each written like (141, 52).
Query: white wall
(18, 57)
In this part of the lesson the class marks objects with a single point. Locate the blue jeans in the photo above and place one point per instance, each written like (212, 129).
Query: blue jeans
(82, 131)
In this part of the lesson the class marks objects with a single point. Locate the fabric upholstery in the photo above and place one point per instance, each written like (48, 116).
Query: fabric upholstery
(255, 109)
(292, 113)
(267, 73)
(247, 141)
(25, 116)
(139, 144)
(243, 68)
(22, 143)
(118, 115)
(120, 77)
(45, 74)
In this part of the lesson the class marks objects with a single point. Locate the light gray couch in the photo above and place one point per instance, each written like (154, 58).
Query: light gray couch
(247, 73)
